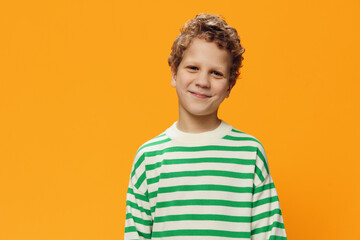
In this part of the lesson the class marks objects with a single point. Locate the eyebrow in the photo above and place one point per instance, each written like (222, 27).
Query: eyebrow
(193, 62)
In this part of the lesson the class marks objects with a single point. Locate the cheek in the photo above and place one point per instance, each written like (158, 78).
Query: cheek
(185, 82)
(181, 86)
(221, 89)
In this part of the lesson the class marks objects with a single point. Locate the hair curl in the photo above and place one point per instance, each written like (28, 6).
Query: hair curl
(212, 28)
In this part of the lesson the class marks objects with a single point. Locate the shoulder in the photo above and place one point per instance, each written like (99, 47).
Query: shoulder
(154, 144)
(243, 138)
(257, 149)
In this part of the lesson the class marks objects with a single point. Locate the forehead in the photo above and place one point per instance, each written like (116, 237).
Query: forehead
(203, 52)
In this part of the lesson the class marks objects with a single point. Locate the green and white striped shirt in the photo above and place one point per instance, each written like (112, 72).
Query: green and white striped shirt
(202, 186)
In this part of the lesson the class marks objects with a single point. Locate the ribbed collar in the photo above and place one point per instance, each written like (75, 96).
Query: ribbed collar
(198, 138)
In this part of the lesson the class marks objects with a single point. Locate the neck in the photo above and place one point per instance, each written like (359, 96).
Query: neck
(197, 124)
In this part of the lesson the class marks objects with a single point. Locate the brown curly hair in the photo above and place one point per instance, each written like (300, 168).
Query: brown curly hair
(212, 28)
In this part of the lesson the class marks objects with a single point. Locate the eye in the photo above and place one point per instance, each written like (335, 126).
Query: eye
(193, 68)
(219, 74)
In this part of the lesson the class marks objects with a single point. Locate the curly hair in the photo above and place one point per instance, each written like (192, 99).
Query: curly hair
(212, 28)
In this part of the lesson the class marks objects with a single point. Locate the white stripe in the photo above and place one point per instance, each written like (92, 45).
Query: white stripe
(220, 210)
(202, 225)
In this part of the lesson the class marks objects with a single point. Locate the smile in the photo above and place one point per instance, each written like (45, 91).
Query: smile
(199, 95)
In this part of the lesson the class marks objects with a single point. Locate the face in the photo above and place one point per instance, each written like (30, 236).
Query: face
(202, 78)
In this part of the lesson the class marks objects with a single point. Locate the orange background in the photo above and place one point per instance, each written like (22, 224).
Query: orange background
(84, 83)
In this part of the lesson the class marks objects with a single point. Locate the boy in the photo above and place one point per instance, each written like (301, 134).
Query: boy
(202, 179)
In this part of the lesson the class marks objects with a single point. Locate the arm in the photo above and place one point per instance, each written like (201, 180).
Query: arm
(138, 224)
(266, 221)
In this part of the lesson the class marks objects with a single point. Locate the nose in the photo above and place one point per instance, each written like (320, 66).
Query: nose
(203, 80)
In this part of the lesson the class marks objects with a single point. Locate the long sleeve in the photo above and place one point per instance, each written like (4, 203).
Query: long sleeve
(138, 224)
(266, 220)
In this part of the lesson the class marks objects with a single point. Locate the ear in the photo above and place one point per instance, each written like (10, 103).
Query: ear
(173, 78)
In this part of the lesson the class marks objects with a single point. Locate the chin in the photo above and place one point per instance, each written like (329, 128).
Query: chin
(200, 113)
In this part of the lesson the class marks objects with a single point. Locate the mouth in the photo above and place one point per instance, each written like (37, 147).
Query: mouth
(199, 95)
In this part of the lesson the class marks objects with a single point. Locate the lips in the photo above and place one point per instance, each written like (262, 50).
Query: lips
(199, 95)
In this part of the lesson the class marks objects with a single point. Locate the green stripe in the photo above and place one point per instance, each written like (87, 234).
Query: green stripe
(137, 196)
(145, 235)
(264, 187)
(200, 160)
(209, 187)
(200, 173)
(267, 228)
(261, 156)
(139, 220)
(140, 180)
(153, 180)
(277, 238)
(237, 131)
(132, 229)
(266, 215)
(150, 167)
(259, 174)
(137, 165)
(203, 202)
(137, 207)
(154, 143)
(265, 201)
(200, 232)
(232, 138)
(203, 217)
(202, 148)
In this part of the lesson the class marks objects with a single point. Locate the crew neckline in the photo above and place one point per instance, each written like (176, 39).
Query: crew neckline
(204, 137)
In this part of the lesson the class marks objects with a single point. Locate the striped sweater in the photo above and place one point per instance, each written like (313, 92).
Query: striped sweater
(203, 186)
